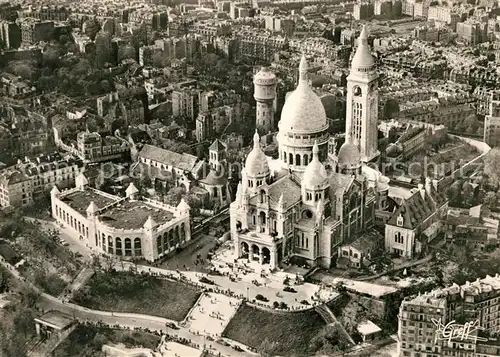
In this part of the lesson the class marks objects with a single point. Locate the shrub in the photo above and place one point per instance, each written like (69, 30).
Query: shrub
(205, 280)
(305, 302)
(283, 305)
(261, 297)
(276, 304)
(289, 289)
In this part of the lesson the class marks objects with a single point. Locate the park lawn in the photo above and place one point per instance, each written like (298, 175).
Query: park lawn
(138, 293)
(289, 333)
(88, 341)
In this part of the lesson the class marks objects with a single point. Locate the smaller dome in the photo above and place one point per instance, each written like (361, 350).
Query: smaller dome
(349, 156)
(315, 175)
(256, 162)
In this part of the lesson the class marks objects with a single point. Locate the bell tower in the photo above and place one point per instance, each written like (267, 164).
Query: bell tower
(362, 100)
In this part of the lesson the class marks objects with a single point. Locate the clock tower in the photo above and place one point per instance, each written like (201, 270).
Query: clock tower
(362, 101)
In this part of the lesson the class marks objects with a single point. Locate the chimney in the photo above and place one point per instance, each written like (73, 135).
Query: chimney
(428, 186)
(421, 190)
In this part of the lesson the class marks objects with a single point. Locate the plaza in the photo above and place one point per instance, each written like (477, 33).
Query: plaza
(211, 314)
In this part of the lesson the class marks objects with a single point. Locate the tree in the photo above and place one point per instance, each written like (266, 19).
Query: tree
(92, 27)
(23, 322)
(126, 52)
(4, 280)
(24, 69)
(329, 340)
(30, 297)
(51, 58)
(175, 146)
(174, 196)
(159, 59)
(491, 167)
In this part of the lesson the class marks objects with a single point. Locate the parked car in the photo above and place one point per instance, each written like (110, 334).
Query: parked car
(172, 325)
(222, 342)
(238, 348)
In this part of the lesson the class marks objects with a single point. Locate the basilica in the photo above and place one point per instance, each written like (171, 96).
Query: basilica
(312, 199)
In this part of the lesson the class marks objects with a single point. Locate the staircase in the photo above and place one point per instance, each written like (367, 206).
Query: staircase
(45, 347)
(83, 276)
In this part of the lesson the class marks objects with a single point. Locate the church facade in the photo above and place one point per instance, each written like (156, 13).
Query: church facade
(311, 200)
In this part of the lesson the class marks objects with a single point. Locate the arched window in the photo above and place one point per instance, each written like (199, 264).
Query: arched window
(290, 159)
(164, 242)
(128, 247)
(159, 244)
(398, 238)
(306, 160)
(284, 156)
(110, 245)
(297, 159)
(176, 235)
(262, 196)
(137, 247)
(118, 243)
(183, 232)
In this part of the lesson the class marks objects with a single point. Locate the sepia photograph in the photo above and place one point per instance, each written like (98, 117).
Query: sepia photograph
(250, 178)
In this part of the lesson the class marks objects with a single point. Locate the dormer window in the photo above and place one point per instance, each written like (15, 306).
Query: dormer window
(400, 221)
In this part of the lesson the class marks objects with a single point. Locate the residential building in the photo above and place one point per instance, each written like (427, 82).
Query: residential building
(416, 222)
(126, 107)
(186, 103)
(472, 32)
(92, 147)
(492, 121)
(129, 227)
(10, 34)
(213, 122)
(422, 320)
(28, 179)
(472, 226)
(33, 31)
(15, 188)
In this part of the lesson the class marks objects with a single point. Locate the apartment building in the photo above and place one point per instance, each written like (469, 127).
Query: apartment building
(33, 31)
(34, 176)
(10, 34)
(186, 102)
(422, 321)
(492, 121)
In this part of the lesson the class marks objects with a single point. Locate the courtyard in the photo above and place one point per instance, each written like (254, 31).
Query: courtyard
(138, 293)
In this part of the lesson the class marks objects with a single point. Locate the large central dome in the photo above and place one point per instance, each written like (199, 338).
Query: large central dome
(303, 111)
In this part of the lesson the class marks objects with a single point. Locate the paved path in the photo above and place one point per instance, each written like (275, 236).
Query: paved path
(81, 279)
(153, 323)
(402, 266)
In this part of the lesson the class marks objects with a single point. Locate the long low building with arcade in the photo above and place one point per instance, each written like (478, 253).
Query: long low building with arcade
(128, 226)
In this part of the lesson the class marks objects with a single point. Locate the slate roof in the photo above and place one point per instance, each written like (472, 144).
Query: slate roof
(214, 179)
(183, 161)
(417, 209)
(286, 186)
(217, 145)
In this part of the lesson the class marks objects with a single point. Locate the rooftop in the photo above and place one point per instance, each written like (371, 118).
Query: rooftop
(80, 200)
(133, 215)
(367, 327)
(55, 319)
